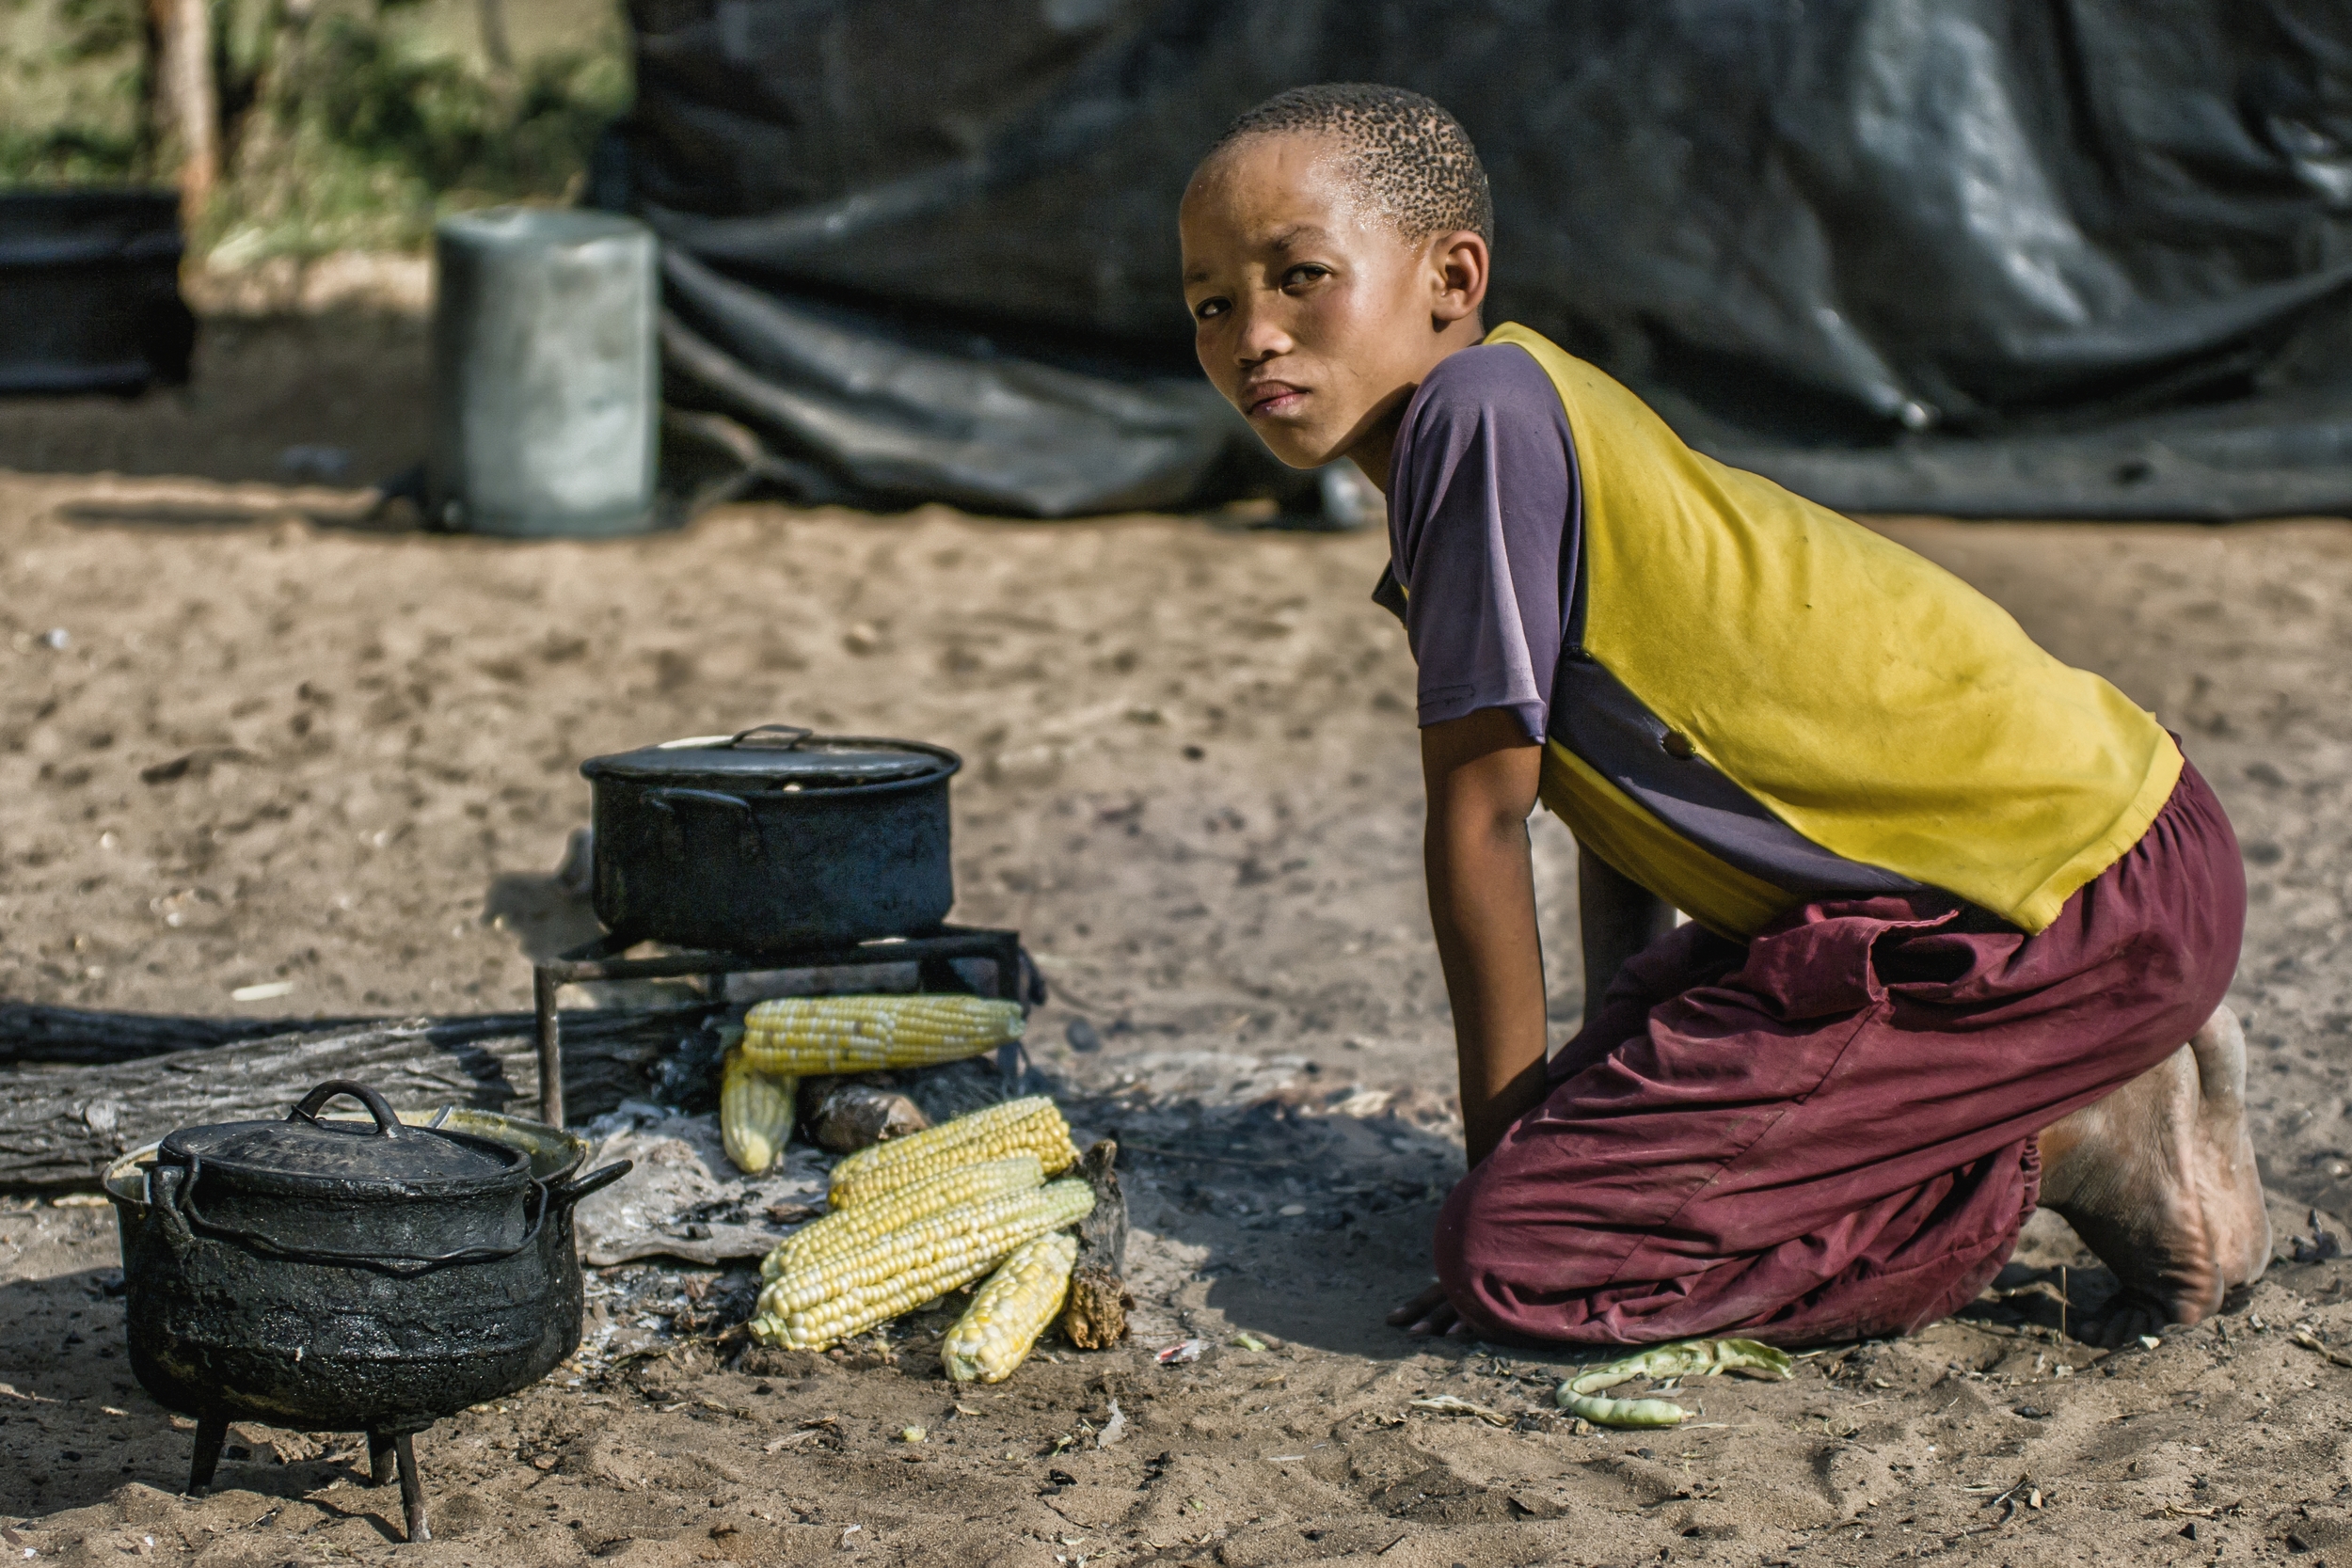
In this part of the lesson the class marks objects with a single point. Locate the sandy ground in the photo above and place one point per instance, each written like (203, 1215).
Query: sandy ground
(272, 749)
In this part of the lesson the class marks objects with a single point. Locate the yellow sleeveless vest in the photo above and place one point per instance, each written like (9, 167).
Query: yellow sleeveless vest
(1864, 697)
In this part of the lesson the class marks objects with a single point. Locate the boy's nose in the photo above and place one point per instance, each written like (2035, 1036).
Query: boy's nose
(1261, 337)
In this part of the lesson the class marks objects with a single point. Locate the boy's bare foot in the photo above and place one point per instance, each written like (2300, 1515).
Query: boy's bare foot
(2158, 1179)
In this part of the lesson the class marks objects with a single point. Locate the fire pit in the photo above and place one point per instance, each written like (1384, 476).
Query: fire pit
(333, 1274)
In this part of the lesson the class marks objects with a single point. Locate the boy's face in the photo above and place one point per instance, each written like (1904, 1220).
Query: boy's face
(1310, 313)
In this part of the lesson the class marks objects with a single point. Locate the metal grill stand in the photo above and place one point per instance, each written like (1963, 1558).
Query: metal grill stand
(1016, 980)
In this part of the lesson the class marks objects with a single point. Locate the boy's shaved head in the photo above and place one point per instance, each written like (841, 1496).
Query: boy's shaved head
(1411, 158)
(1335, 250)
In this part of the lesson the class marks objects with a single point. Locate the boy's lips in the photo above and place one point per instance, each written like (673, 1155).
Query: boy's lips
(1272, 397)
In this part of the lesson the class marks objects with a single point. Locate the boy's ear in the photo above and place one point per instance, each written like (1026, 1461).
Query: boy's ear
(1457, 263)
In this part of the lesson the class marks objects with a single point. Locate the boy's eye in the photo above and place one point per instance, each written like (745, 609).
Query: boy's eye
(1209, 308)
(1306, 272)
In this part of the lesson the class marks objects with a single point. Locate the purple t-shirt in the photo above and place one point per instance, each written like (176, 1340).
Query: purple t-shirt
(1483, 535)
(1486, 524)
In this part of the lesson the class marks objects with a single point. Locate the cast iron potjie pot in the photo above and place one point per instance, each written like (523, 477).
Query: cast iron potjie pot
(337, 1277)
(771, 839)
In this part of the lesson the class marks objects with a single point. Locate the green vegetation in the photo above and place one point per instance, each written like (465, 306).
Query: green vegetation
(360, 139)
(72, 84)
(346, 123)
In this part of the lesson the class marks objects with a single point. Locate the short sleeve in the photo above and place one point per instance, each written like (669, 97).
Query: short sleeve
(1483, 535)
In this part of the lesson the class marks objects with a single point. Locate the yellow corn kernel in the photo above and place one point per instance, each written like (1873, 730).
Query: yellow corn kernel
(755, 1112)
(841, 1297)
(802, 1035)
(909, 1246)
(1009, 1312)
(1032, 1126)
(849, 1231)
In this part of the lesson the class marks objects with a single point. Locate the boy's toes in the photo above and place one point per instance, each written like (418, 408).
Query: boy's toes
(2122, 1320)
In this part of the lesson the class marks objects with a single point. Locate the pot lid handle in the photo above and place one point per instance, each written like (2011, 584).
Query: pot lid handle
(387, 1123)
(793, 733)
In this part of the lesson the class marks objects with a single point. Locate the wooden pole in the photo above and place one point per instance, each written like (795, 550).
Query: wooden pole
(550, 1044)
(495, 45)
(187, 100)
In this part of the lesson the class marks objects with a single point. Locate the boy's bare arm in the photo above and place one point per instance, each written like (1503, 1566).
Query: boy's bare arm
(1481, 773)
(1619, 917)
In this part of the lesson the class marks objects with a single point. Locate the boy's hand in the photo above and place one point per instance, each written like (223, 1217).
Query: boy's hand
(1429, 1313)
(1481, 774)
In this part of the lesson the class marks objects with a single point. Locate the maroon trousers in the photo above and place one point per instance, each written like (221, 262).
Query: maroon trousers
(1829, 1133)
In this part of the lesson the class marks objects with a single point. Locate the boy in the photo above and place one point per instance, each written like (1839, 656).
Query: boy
(1955, 908)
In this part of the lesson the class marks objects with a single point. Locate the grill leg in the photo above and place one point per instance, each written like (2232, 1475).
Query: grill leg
(543, 992)
(380, 1463)
(211, 1430)
(411, 1487)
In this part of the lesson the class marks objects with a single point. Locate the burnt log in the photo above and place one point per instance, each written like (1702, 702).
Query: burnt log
(1095, 1317)
(32, 1032)
(1103, 1234)
(845, 1115)
(61, 1123)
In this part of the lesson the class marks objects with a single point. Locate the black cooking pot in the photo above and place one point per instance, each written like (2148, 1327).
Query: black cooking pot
(334, 1276)
(771, 839)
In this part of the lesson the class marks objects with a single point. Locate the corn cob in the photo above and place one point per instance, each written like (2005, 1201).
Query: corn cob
(893, 1252)
(852, 1296)
(850, 1230)
(855, 1311)
(865, 1034)
(1032, 1126)
(755, 1112)
(1007, 1314)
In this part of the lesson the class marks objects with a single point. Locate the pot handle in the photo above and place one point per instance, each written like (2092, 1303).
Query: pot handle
(797, 734)
(750, 844)
(563, 1195)
(186, 1215)
(164, 1188)
(387, 1120)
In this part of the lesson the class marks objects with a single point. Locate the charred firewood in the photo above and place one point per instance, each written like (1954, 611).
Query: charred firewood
(32, 1032)
(61, 1124)
(845, 1115)
(1096, 1315)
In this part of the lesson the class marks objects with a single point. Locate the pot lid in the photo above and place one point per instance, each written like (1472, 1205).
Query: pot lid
(781, 755)
(303, 1149)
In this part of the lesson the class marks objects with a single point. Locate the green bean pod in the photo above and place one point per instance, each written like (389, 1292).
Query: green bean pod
(1683, 1358)
(1622, 1413)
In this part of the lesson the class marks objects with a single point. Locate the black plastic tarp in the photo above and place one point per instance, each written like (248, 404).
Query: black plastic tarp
(2068, 257)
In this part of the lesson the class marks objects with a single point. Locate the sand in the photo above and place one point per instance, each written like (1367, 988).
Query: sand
(270, 749)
